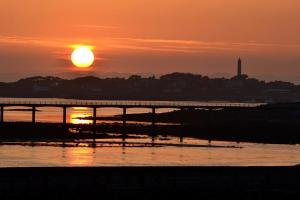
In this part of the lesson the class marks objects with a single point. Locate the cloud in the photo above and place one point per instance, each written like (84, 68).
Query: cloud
(33, 41)
(153, 45)
(192, 46)
(91, 26)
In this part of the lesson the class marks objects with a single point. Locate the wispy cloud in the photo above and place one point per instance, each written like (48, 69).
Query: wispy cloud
(92, 26)
(153, 45)
(33, 41)
(55, 43)
(190, 46)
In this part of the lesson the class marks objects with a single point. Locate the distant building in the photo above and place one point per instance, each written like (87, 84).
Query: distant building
(239, 74)
(239, 68)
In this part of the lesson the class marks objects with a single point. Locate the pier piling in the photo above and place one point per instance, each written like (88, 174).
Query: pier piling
(94, 120)
(181, 125)
(64, 115)
(94, 115)
(124, 118)
(153, 116)
(2, 114)
(153, 125)
(33, 114)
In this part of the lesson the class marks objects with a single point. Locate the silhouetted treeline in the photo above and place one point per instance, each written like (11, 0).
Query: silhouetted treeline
(175, 86)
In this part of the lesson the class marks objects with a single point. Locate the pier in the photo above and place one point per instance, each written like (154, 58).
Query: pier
(152, 105)
(96, 106)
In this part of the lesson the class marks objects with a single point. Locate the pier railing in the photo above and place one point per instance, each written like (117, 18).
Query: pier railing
(99, 103)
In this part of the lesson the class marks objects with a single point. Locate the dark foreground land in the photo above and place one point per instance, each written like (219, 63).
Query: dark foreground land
(270, 133)
(150, 183)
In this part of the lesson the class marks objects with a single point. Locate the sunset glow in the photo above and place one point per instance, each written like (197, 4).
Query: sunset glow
(159, 99)
(82, 57)
(201, 37)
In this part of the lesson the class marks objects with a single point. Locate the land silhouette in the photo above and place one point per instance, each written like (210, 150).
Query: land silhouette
(174, 86)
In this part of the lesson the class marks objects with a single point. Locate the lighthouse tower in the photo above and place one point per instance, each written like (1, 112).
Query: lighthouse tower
(239, 68)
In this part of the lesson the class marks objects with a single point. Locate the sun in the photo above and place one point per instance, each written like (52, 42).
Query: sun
(82, 57)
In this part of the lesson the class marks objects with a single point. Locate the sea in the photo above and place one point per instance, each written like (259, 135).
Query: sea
(169, 151)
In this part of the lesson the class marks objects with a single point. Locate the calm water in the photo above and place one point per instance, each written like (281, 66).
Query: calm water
(249, 155)
(246, 155)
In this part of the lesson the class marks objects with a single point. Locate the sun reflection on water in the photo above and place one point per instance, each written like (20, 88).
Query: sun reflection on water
(77, 118)
(80, 156)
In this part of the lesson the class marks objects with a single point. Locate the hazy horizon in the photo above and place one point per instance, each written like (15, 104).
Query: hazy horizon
(72, 75)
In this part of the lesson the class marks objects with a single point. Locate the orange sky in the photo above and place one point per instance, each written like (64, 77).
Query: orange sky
(151, 36)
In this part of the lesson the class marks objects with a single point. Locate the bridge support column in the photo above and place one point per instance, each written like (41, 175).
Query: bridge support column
(153, 116)
(64, 115)
(94, 120)
(181, 125)
(2, 114)
(33, 114)
(124, 118)
(153, 124)
(210, 124)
